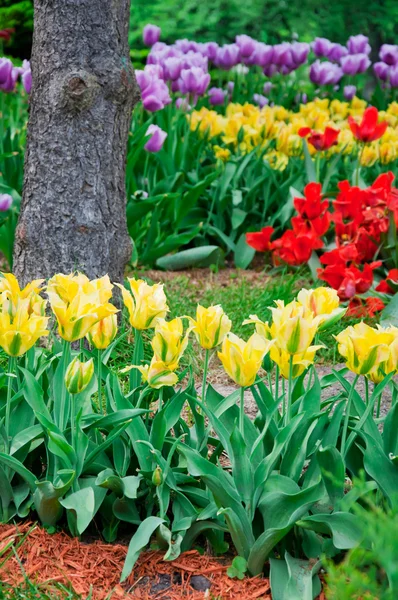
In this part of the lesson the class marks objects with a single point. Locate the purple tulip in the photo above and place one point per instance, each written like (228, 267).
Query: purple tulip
(150, 34)
(352, 64)
(216, 96)
(8, 75)
(186, 45)
(182, 104)
(321, 47)
(349, 92)
(283, 55)
(262, 55)
(195, 59)
(300, 51)
(325, 73)
(358, 44)
(172, 68)
(246, 45)
(270, 70)
(227, 56)
(260, 100)
(210, 50)
(27, 81)
(267, 87)
(154, 91)
(193, 81)
(336, 52)
(382, 71)
(231, 86)
(394, 76)
(5, 202)
(389, 54)
(156, 141)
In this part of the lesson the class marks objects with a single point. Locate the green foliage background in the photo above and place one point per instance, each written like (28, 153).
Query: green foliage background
(221, 20)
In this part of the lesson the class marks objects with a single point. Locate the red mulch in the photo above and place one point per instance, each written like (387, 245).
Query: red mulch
(97, 566)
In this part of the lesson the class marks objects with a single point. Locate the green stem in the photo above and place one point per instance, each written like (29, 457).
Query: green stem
(73, 420)
(318, 167)
(101, 407)
(242, 412)
(360, 153)
(11, 369)
(276, 382)
(205, 369)
(61, 412)
(366, 390)
(347, 415)
(135, 375)
(160, 405)
(290, 391)
(379, 405)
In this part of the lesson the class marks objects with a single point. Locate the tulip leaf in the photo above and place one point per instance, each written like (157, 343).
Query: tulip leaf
(18, 467)
(389, 316)
(381, 468)
(344, 528)
(333, 472)
(139, 540)
(294, 578)
(202, 256)
(82, 503)
(244, 253)
(390, 437)
(33, 394)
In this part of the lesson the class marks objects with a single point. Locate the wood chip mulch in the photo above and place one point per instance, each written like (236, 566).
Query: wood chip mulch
(96, 567)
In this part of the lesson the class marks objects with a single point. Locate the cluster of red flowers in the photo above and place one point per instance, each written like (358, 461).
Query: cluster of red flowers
(360, 218)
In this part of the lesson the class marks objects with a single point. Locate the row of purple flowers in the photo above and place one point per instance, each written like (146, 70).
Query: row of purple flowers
(9, 75)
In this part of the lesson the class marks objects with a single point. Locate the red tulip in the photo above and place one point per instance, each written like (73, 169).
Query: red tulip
(260, 240)
(348, 281)
(293, 249)
(320, 141)
(368, 130)
(359, 308)
(312, 205)
(314, 228)
(384, 285)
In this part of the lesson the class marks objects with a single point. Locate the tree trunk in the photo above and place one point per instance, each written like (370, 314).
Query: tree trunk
(73, 213)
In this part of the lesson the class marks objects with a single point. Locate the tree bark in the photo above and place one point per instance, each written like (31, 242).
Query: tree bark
(73, 213)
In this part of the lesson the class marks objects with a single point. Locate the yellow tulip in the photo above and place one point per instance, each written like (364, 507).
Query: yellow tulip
(157, 374)
(300, 361)
(323, 302)
(169, 342)
(146, 303)
(292, 328)
(391, 364)
(78, 375)
(21, 329)
(79, 303)
(365, 348)
(10, 287)
(242, 360)
(103, 332)
(211, 326)
(222, 154)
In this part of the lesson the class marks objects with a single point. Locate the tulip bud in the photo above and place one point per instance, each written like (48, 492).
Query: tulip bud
(242, 360)
(157, 477)
(169, 342)
(103, 332)
(366, 349)
(211, 326)
(78, 375)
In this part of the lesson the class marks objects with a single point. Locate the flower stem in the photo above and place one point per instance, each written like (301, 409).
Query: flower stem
(347, 416)
(290, 391)
(135, 375)
(101, 407)
(11, 369)
(242, 411)
(65, 356)
(205, 369)
(160, 405)
(360, 153)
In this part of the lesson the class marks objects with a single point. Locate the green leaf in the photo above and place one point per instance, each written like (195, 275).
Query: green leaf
(389, 315)
(19, 468)
(202, 256)
(343, 526)
(83, 504)
(138, 542)
(333, 472)
(244, 253)
(381, 468)
(309, 163)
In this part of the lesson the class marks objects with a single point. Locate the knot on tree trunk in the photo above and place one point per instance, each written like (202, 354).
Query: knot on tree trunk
(80, 90)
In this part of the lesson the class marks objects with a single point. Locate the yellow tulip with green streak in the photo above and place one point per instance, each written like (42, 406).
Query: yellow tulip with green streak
(323, 302)
(20, 329)
(78, 375)
(145, 303)
(103, 332)
(10, 287)
(156, 375)
(210, 326)
(242, 360)
(293, 328)
(169, 342)
(366, 348)
(79, 303)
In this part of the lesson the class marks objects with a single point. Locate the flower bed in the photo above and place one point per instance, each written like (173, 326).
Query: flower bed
(84, 445)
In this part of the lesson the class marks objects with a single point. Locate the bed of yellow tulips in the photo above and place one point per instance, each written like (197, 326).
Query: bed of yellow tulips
(79, 442)
(273, 130)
